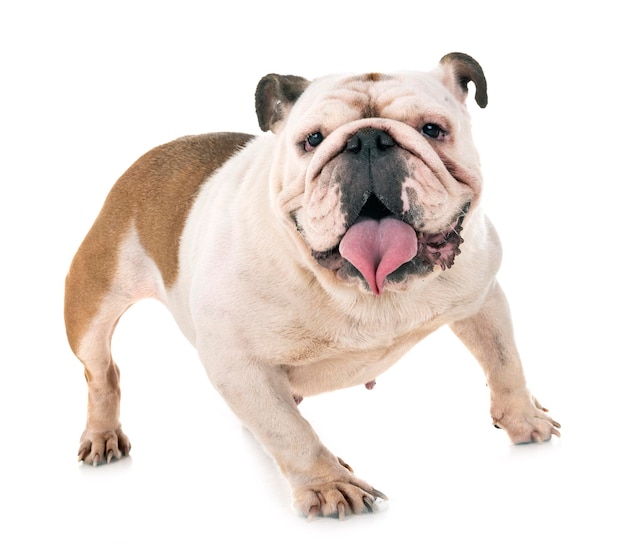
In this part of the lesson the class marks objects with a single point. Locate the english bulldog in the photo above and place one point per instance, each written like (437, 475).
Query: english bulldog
(305, 260)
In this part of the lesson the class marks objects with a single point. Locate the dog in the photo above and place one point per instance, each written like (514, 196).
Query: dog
(307, 259)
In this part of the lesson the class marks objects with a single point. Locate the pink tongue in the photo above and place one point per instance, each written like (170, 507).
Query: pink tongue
(377, 248)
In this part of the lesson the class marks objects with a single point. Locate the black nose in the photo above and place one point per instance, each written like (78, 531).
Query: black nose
(368, 140)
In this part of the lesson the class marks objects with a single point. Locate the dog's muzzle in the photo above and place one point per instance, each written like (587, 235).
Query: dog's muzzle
(380, 244)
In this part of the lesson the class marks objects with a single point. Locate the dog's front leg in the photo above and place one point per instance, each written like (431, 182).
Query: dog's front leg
(261, 397)
(489, 336)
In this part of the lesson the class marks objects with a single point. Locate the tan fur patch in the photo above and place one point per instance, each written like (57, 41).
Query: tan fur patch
(155, 194)
(174, 173)
(373, 76)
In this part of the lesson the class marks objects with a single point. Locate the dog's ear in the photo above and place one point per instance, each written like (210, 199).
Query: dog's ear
(459, 69)
(275, 95)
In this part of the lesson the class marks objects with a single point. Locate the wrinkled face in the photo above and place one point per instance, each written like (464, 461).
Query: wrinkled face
(378, 175)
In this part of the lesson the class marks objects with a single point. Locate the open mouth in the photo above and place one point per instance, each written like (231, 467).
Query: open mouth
(381, 247)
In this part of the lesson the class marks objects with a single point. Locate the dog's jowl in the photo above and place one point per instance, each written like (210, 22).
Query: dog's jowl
(353, 228)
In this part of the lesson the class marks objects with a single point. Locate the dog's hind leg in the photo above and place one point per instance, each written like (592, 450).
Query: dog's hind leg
(131, 253)
(109, 273)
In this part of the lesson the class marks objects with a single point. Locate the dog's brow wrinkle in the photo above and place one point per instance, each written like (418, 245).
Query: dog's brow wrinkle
(370, 110)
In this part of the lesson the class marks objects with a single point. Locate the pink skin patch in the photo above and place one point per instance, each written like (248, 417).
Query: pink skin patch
(378, 247)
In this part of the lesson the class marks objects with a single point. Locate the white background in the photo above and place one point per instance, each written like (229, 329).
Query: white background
(86, 88)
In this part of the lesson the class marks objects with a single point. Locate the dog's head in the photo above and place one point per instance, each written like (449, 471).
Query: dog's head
(376, 172)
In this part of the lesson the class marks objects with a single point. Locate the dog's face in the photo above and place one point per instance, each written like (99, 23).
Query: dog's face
(376, 172)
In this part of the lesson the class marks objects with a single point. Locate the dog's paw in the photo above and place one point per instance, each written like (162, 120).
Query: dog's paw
(525, 420)
(338, 498)
(99, 447)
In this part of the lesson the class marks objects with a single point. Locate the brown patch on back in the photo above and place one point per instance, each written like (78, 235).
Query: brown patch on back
(156, 193)
(174, 173)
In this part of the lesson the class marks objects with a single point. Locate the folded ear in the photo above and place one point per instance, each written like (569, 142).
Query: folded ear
(275, 95)
(459, 69)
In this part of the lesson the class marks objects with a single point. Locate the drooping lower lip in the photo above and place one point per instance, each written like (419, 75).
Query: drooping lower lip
(431, 249)
(441, 248)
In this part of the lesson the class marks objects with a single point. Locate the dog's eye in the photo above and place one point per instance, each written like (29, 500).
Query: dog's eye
(313, 140)
(434, 131)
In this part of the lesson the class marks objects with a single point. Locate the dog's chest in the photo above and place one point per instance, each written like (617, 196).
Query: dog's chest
(338, 354)
(318, 365)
